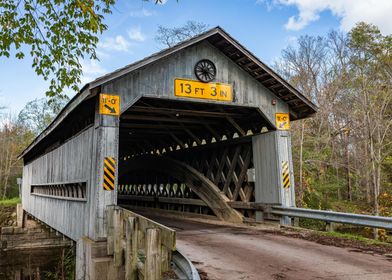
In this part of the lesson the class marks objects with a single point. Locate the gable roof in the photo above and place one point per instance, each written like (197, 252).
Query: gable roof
(301, 107)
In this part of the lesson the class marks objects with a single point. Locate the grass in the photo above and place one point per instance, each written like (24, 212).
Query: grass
(354, 237)
(10, 201)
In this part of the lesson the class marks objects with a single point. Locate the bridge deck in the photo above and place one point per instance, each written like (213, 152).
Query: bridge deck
(224, 252)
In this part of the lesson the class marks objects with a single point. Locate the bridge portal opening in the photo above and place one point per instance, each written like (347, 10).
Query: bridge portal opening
(188, 156)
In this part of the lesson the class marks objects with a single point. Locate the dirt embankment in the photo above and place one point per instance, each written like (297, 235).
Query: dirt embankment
(7, 216)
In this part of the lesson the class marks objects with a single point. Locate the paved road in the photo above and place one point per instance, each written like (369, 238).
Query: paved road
(224, 252)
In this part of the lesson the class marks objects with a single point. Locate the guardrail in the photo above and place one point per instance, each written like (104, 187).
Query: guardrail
(183, 267)
(331, 216)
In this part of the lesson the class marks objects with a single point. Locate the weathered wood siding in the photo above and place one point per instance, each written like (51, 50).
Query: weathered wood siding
(157, 80)
(71, 162)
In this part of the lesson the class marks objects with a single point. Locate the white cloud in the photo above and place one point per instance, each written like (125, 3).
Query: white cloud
(135, 34)
(142, 13)
(350, 12)
(117, 43)
(161, 2)
(92, 69)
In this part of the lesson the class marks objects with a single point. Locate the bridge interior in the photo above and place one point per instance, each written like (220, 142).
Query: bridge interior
(213, 140)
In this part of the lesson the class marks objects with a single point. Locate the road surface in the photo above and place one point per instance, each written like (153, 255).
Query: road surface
(225, 252)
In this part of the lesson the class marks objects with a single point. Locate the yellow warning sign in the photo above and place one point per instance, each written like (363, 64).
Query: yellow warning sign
(282, 121)
(285, 174)
(109, 104)
(195, 89)
(109, 173)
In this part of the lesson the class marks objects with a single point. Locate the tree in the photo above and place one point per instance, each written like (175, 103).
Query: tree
(168, 37)
(14, 137)
(56, 34)
(39, 113)
(371, 65)
(59, 34)
(348, 142)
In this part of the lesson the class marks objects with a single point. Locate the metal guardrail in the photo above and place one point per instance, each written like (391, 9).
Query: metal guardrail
(336, 217)
(183, 267)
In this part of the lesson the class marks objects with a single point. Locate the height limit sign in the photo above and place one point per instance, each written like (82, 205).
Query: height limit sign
(109, 104)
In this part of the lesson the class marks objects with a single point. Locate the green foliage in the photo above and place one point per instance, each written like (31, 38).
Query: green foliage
(39, 113)
(65, 269)
(10, 201)
(59, 33)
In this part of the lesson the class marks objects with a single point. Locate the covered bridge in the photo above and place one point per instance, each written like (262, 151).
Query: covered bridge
(202, 127)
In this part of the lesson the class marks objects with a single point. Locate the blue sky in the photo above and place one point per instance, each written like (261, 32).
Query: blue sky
(265, 27)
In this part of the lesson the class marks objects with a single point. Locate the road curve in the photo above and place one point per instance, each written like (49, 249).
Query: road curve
(224, 252)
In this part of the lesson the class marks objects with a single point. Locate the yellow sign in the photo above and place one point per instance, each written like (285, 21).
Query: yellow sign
(109, 104)
(282, 121)
(195, 89)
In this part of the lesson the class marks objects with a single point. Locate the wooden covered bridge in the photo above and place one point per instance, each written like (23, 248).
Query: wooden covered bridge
(202, 127)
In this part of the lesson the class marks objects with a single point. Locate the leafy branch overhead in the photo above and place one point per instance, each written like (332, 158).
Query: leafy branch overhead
(58, 34)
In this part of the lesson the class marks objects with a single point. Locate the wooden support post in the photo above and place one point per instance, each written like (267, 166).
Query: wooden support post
(118, 237)
(153, 254)
(272, 158)
(131, 234)
(19, 215)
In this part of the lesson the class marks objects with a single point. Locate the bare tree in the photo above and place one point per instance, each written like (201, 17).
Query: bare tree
(168, 37)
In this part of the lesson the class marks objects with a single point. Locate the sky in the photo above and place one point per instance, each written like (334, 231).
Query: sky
(265, 27)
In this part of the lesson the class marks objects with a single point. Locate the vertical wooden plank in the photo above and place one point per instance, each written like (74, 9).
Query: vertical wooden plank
(165, 259)
(153, 254)
(110, 229)
(118, 252)
(131, 249)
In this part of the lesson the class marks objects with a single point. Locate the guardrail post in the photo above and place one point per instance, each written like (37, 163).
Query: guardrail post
(153, 254)
(131, 235)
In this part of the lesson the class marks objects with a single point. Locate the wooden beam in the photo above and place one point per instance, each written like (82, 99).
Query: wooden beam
(162, 119)
(181, 112)
(182, 145)
(293, 101)
(277, 85)
(229, 47)
(262, 76)
(190, 133)
(268, 80)
(248, 64)
(213, 132)
(236, 126)
(154, 126)
(241, 59)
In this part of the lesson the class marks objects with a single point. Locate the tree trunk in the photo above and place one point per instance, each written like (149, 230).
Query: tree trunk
(301, 144)
(349, 187)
